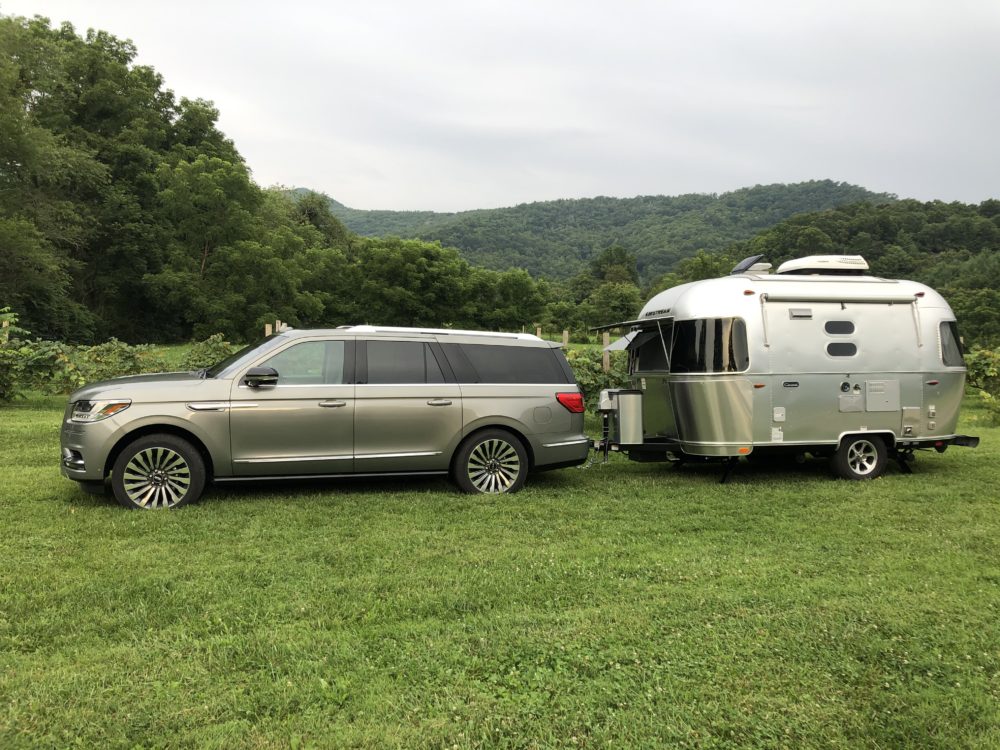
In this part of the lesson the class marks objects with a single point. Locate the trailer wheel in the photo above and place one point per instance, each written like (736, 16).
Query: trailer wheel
(860, 457)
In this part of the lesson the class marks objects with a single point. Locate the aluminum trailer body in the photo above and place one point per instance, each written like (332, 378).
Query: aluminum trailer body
(807, 361)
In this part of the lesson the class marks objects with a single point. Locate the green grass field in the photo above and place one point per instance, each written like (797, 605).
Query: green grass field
(630, 605)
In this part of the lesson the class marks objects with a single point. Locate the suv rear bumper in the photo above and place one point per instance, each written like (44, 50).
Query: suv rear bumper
(551, 452)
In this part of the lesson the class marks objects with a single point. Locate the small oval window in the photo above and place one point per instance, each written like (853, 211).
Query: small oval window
(841, 349)
(839, 326)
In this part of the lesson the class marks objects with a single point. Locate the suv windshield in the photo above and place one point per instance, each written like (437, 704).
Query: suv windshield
(263, 345)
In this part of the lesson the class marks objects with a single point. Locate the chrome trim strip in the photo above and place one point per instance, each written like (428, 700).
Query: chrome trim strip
(219, 405)
(567, 442)
(286, 477)
(401, 455)
(208, 406)
(282, 459)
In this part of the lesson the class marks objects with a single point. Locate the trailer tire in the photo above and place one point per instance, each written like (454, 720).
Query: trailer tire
(860, 457)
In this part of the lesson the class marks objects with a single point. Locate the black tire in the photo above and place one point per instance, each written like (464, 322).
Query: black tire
(158, 471)
(490, 462)
(860, 457)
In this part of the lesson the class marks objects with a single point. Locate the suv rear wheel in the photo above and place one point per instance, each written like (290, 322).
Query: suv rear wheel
(491, 462)
(158, 471)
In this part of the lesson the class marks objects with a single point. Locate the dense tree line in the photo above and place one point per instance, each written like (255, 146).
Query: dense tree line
(558, 239)
(125, 212)
(953, 247)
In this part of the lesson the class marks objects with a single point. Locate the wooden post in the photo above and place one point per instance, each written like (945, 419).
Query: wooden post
(267, 329)
(606, 361)
(538, 331)
(565, 337)
(277, 326)
(5, 331)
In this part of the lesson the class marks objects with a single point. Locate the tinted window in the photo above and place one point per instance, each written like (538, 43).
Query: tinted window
(402, 362)
(648, 351)
(951, 345)
(841, 349)
(513, 364)
(711, 345)
(836, 327)
(309, 363)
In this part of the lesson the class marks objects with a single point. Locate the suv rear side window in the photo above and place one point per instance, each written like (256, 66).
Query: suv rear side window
(506, 364)
(399, 362)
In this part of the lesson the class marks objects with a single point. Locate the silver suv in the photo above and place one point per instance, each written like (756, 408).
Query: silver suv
(485, 407)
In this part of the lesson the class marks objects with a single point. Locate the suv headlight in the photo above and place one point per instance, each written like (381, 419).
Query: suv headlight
(95, 411)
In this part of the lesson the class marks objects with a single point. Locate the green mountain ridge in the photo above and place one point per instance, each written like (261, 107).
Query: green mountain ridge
(557, 239)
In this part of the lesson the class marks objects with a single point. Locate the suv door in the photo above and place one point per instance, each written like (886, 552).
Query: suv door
(408, 415)
(305, 423)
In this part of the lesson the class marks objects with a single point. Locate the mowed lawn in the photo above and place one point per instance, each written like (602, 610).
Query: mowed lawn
(626, 605)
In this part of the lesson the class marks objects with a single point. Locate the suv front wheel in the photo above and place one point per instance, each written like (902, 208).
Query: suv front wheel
(158, 471)
(491, 462)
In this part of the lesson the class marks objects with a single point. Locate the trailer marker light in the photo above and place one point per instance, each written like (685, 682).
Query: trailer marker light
(748, 292)
(919, 294)
(572, 401)
(744, 451)
(932, 382)
(759, 385)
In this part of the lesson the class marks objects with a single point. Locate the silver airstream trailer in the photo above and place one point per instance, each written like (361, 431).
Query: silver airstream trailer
(819, 358)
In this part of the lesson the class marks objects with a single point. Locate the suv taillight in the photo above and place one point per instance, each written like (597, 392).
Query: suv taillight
(572, 401)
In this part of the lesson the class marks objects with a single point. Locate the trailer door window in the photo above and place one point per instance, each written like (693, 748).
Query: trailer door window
(710, 345)
(951, 345)
(648, 352)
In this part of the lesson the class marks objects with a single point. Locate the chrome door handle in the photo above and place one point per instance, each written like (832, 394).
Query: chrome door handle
(439, 402)
(332, 404)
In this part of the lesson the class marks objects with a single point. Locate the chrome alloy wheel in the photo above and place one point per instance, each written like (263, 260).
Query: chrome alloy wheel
(156, 478)
(862, 457)
(493, 466)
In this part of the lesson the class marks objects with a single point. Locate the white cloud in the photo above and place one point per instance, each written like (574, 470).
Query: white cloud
(456, 105)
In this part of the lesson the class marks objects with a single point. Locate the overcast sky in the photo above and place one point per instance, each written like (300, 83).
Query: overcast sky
(458, 105)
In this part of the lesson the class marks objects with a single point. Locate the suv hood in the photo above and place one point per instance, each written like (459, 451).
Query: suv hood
(162, 386)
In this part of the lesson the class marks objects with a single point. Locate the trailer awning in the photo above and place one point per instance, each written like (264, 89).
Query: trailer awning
(665, 316)
(622, 343)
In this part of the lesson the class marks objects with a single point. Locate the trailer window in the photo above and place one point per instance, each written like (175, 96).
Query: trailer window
(951, 345)
(841, 349)
(837, 327)
(648, 352)
(710, 345)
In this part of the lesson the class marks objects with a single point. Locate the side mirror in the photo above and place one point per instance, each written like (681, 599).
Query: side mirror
(257, 377)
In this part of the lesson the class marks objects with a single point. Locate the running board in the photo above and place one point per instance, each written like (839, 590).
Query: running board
(281, 477)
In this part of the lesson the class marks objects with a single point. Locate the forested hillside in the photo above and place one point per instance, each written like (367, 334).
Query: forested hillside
(125, 212)
(557, 239)
(953, 247)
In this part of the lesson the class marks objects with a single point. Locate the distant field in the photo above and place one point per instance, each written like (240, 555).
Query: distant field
(626, 605)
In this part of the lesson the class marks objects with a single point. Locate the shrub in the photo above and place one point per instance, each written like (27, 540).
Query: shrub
(587, 365)
(207, 353)
(984, 375)
(114, 358)
(55, 367)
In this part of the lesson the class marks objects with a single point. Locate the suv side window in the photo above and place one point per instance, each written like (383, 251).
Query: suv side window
(506, 364)
(401, 362)
(309, 363)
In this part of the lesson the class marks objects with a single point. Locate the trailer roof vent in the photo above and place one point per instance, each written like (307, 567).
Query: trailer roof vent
(827, 265)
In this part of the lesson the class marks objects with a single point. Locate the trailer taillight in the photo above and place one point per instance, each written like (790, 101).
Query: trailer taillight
(572, 401)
